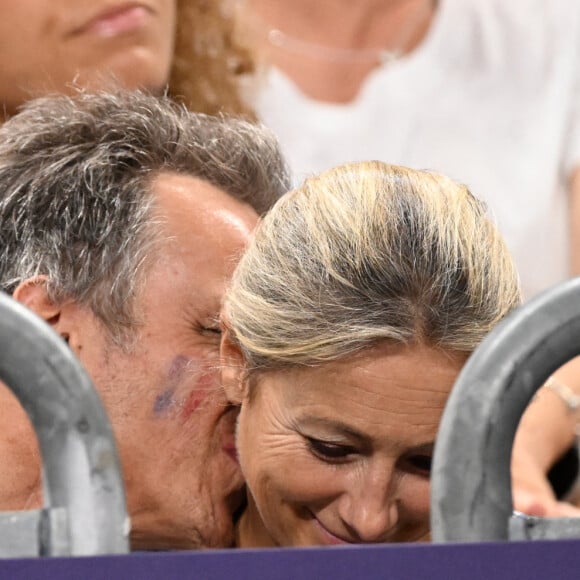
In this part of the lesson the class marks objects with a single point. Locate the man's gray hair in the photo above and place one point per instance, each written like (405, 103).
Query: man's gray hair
(75, 188)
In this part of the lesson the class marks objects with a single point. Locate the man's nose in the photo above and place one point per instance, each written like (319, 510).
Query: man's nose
(369, 508)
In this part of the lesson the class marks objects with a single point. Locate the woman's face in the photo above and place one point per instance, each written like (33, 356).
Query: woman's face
(342, 453)
(49, 44)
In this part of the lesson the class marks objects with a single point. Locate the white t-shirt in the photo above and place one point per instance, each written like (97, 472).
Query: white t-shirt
(491, 98)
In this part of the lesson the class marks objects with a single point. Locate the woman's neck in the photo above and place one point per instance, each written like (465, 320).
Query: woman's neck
(340, 23)
(328, 47)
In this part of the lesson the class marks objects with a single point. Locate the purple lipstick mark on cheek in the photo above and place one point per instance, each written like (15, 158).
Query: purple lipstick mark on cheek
(177, 369)
(166, 400)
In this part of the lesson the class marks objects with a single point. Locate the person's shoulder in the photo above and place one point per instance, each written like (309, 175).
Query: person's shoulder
(532, 13)
(540, 25)
(518, 11)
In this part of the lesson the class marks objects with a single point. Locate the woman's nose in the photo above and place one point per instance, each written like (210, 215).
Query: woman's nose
(369, 509)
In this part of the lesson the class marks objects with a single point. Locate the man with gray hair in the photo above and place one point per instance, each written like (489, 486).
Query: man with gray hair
(121, 218)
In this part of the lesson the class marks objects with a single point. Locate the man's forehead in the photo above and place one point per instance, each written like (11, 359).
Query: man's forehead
(236, 221)
(201, 205)
(203, 232)
(207, 228)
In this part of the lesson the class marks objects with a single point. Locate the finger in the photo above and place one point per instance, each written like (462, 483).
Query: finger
(563, 509)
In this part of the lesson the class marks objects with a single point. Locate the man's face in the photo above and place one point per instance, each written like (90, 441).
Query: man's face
(163, 395)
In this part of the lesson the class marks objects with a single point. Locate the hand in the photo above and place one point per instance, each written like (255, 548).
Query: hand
(545, 433)
(531, 490)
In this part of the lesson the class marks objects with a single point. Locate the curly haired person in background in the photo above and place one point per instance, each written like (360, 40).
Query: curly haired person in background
(186, 47)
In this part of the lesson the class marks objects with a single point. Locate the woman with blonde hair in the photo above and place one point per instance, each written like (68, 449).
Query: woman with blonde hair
(346, 324)
(186, 47)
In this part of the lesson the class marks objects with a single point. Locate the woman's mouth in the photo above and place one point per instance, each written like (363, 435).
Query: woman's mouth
(116, 21)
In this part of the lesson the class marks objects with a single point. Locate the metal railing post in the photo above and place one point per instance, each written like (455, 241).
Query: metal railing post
(471, 486)
(84, 498)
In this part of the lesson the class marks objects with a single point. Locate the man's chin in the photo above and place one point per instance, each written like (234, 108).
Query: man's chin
(216, 534)
(235, 503)
(149, 541)
(185, 529)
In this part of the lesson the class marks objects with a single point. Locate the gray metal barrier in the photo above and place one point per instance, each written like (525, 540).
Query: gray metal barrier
(84, 509)
(471, 492)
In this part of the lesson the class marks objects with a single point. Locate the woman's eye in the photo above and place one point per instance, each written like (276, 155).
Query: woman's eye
(329, 451)
(421, 463)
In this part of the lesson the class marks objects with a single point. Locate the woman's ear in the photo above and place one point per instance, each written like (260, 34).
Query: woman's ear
(232, 366)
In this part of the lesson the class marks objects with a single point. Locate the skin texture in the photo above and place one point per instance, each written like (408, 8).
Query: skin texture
(78, 47)
(174, 428)
(341, 453)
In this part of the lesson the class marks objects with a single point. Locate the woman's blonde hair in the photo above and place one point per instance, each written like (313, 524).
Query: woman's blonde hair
(209, 59)
(367, 253)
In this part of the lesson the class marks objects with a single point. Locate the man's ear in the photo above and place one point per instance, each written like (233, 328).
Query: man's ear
(32, 293)
(62, 317)
(232, 368)
(75, 323)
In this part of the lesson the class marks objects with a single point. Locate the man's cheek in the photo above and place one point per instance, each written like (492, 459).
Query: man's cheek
(189, 385)
(203, 393)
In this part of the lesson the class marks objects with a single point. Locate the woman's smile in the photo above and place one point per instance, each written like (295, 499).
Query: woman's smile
(327, 536)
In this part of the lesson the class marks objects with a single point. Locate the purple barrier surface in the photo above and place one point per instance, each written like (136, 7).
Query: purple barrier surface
(555, 560)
